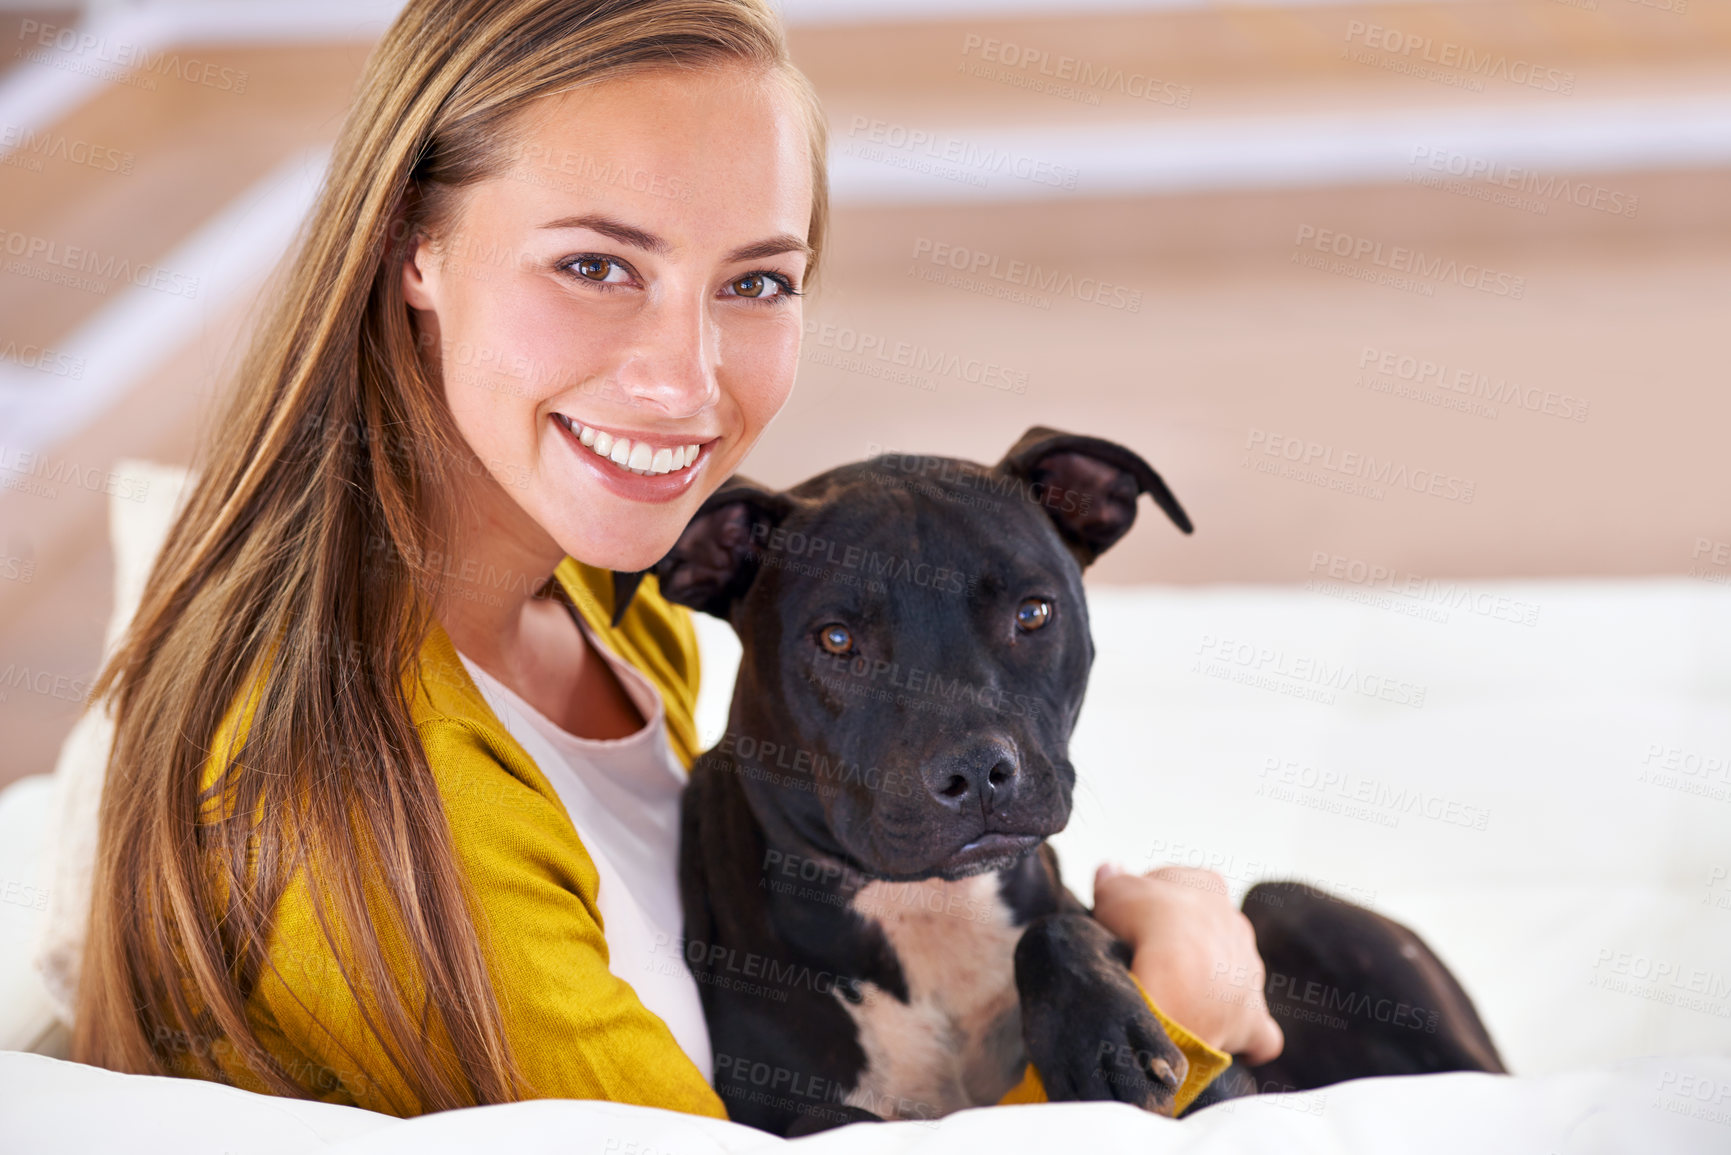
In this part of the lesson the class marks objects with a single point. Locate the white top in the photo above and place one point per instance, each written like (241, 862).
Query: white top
(623, 797)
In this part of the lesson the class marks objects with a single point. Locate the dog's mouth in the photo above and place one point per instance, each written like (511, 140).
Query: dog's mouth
(997, 841)
(989, 851)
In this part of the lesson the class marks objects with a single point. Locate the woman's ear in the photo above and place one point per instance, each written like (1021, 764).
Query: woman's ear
(420, 272)
(408, 244)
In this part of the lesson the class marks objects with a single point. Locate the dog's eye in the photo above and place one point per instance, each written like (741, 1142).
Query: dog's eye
(1033, 613)
(835, 638)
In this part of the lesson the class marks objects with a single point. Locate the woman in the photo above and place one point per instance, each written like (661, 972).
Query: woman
(383, 768)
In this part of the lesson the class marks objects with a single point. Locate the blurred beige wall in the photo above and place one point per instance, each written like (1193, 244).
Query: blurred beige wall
(1434, 289)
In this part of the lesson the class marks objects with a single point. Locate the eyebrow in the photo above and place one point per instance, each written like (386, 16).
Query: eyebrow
(772, 247)
(647, 241)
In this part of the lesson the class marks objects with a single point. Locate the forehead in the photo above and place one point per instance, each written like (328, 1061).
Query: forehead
(973, 521)
(710, 157)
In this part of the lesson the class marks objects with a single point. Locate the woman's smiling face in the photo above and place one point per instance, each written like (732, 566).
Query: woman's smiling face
(616, 313)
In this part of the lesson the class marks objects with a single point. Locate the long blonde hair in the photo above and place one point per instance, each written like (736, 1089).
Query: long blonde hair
(336, 438)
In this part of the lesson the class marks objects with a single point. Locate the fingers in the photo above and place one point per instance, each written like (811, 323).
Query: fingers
(1263, 1038)
(1197, 879)
(1187, 935)
(1190, 876)
(1113, 879)
(1266, 1042)
(1107, 880)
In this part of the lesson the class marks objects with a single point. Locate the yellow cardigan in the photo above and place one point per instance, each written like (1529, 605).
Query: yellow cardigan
(577, 1030)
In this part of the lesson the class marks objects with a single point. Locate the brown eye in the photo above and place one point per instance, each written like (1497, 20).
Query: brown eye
(762, 286)
(595, 268)
(1033, 613)
(836, 639)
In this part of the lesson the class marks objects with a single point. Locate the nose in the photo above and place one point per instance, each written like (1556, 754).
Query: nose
(984, 776)
(673, 360)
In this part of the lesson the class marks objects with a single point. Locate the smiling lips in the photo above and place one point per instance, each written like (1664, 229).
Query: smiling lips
(636, 457)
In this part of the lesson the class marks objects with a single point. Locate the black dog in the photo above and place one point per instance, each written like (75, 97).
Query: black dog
(875, 921)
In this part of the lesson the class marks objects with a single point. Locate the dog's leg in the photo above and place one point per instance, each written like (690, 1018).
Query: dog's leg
(1087, 1029)
(1357, 994)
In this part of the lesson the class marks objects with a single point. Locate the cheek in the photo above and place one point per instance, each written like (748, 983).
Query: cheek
(508, 333)
(758, 363)
(560, 341)
(489, 355)
(510, 343)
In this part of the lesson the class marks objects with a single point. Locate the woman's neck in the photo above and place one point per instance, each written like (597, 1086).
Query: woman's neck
(497, 563)
(531, 643)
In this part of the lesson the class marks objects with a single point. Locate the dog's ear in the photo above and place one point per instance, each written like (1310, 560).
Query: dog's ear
(715, 559)
(1088, 487)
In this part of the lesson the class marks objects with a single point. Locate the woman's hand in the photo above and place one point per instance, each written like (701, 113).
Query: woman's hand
(1195, 954)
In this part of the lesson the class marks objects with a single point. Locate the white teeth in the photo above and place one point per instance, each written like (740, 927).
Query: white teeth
(638, 457)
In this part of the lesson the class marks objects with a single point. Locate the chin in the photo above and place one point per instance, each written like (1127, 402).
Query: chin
(642, 541)
(982, 857)
(627, 559)
(968, 866)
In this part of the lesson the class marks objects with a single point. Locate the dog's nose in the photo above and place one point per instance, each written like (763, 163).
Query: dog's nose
(985, 777)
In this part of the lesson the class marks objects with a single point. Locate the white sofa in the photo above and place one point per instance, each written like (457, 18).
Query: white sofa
(1549, 804)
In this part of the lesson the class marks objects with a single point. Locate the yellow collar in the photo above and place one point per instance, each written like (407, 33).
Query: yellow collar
(650, 627)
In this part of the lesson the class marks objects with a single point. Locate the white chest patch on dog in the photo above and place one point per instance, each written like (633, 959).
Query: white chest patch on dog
(957, 1041)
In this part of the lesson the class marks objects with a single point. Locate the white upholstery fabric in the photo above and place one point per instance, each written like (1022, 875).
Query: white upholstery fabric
(1655, 1105)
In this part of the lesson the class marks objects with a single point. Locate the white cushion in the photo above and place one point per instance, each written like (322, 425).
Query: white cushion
(51, 1105)
(1679, 1107)
(27, 1018)
(1590, 917)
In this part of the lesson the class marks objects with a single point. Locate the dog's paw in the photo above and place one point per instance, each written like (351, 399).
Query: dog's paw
(1088, 1031)
(1116, 1053)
